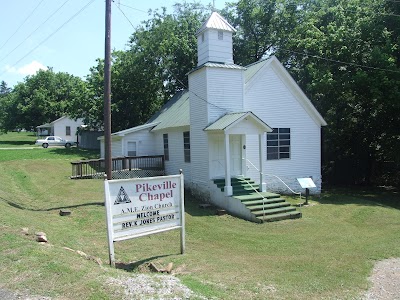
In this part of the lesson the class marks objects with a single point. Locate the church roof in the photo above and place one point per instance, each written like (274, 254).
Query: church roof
(216, 21)
(175, 113)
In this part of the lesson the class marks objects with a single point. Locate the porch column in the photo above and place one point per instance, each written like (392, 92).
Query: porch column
(261, 147)
(228, 186)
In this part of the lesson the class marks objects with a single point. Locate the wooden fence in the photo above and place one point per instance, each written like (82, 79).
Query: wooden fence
(122, 167)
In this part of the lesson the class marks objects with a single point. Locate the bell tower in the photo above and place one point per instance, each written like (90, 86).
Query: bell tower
(214, 41)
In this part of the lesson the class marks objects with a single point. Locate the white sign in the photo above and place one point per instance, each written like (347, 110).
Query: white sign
(143, 206)
(306, 183)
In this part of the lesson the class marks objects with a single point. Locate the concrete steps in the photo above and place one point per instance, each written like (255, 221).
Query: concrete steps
(265, 206)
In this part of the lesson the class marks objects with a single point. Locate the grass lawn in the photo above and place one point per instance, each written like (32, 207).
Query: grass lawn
(327, 254)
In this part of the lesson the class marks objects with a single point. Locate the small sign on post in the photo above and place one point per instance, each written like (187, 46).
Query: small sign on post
(143, 206)
(306, 183)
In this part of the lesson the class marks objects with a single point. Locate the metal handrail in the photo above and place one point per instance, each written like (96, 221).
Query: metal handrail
(297, 193)
(258, 192)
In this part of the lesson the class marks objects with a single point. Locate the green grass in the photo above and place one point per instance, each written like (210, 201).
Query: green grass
(17, 139)
(328, 254)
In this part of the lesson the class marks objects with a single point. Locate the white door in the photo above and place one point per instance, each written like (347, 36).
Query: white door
(217, 155)
(236, 154)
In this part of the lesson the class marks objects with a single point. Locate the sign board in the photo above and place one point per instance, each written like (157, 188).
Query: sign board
(306, 183)
(143, 206)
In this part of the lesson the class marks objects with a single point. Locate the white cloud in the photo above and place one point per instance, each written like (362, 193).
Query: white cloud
(29, 69)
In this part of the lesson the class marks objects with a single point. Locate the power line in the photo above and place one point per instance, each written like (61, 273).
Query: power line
(120, 4)
(176, 77)
(53, 33)
(34, 31)
(26, 19)
(341, 62)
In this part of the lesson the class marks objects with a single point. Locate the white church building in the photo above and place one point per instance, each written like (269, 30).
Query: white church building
(237, 133)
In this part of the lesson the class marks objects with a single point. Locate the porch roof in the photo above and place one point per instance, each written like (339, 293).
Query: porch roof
(47, 125)
(231, 120)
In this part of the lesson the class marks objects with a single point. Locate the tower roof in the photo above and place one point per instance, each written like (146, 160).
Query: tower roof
(216, 21)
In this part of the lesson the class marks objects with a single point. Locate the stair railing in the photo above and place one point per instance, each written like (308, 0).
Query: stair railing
(277, 177)
(258, 192)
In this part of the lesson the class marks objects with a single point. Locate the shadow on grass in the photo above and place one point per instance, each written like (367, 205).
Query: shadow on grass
(130, 267)
(75, 151)
(17, 143)
(364, 196)
(193, 207)
(18, 206)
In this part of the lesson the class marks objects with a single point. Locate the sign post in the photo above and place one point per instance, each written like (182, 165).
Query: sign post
(143, 206)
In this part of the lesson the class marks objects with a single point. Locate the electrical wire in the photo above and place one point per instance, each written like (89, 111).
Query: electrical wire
(53, 33)
(26, 19)
(34, 31)
(120, 4)
(340, 62)
(176, 77)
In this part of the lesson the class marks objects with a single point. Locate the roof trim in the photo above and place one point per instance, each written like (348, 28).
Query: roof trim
(216, 21)
(211, 64)
(292, 85)
(230, 120)
(124, 132)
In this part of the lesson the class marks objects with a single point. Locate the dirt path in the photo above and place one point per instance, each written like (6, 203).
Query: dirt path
(385, 279)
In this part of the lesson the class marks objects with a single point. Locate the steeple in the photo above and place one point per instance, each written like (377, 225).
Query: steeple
(214, 41)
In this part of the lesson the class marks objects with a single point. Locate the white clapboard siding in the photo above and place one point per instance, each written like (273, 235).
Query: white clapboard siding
(61, 124)
(225, 89)
(198, 119)
(145, 143)
(214, 50)
(272, 100)
(176, 160)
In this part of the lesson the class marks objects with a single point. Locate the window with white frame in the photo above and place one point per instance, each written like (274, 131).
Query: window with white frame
(67, 130)
(132, 149)
(166, 149)
(220, 35)
(278, 144)
(186, 145)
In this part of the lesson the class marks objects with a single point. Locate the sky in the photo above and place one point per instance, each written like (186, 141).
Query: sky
(67, 35)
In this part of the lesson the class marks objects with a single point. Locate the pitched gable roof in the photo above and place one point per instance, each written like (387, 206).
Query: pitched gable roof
(175, 113)
(229, 120)
(216, 21)
(253, 70)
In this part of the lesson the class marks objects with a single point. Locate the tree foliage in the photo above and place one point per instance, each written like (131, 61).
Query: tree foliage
(161, 52)
(345, 58)
(344, 54)
(39, 99)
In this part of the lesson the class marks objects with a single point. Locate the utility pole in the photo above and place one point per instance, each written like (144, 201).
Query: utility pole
(107, 93)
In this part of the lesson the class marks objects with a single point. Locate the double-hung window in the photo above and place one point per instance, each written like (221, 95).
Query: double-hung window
(132, 149)
(166, 149)
(186, 146)
(278, 144)
(68, 130)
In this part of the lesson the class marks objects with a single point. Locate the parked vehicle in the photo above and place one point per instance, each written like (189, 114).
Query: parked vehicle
(54, 141)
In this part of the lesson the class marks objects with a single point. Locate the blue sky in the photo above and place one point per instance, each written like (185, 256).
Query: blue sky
(33, 38)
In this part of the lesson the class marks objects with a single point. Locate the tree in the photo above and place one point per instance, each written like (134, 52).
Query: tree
(4, 89)
(41, 98)
(161, 52)
(262, 27)
(344, 56)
